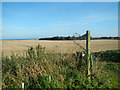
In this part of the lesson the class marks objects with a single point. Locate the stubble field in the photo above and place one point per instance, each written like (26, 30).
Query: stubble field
(19, 46)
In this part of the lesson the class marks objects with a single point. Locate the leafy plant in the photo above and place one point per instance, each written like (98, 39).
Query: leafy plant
(40, 69)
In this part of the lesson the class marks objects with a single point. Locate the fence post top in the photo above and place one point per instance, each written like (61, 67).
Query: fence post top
(88, 31)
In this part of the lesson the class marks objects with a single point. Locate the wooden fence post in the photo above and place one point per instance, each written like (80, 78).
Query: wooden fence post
(88, 53)
(91, 62)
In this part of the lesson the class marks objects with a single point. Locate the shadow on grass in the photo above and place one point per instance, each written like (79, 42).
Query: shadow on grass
(109, 55)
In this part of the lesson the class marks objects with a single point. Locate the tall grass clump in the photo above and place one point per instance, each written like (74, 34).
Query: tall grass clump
(38, 68)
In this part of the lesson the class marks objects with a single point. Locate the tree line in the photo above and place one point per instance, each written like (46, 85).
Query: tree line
(83, 37)
(65, 38)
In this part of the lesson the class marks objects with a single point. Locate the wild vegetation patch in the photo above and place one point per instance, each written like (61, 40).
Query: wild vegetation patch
(40, 69)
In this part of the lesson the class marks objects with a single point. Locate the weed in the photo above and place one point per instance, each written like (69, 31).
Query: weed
(40, 69)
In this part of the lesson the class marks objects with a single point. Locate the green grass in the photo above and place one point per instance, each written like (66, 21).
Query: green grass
(109, 55)
(40, 69)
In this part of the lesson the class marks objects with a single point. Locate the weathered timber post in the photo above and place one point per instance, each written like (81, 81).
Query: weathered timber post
(91, 62)
(88, 53)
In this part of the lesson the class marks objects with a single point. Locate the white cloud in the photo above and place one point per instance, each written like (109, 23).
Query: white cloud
(87, 20)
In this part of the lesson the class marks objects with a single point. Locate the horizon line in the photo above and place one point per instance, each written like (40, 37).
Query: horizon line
(46, 37)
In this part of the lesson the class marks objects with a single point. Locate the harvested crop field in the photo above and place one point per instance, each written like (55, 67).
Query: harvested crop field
(61, 46)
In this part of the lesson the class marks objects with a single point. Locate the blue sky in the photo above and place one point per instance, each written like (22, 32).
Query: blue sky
(46, 19)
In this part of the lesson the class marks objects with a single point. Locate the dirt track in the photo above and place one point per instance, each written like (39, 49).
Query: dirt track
(19, 46)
